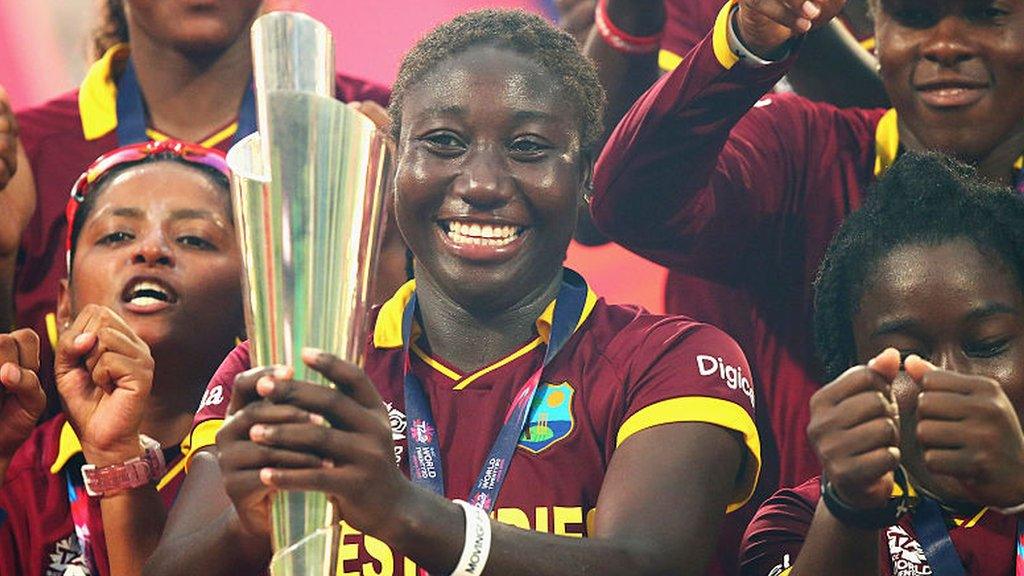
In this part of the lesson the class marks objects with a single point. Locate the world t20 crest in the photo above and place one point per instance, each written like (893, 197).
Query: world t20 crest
(551, 417)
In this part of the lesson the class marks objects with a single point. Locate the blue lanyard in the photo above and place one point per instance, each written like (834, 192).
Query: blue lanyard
(933, 536)
(131, 110)
(424, 449)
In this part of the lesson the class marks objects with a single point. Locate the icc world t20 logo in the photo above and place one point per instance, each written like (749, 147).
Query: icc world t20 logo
(421, 431)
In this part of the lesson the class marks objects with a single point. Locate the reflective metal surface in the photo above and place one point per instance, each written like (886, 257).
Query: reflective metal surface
(308, 194)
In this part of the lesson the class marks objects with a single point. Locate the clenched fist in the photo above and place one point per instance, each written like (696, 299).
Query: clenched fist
(22, 400)
(104, 375)
(765, 25)
(969, 435)
(855, 431)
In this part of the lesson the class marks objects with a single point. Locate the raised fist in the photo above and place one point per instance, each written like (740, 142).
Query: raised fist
(765, 25)
(855, 431)
(104, 375)
(969, 435)
(22, 399)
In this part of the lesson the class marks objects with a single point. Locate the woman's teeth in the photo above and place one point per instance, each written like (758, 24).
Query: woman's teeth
(146, 293)
(482, 234)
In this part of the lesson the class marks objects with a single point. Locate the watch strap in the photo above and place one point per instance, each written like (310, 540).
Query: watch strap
(874, 518)
(132, 473)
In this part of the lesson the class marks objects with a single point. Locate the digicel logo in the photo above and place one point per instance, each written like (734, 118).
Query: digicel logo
(731, 375)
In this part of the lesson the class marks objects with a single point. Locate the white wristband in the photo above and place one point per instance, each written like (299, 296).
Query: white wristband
(745, 54)
(478, 541)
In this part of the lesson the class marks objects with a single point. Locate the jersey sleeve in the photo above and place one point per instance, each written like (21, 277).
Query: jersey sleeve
(682, 371)
(775, 535)
(214, 406)
(701, 166)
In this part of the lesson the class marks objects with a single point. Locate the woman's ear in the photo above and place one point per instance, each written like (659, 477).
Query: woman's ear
(586, 176)
(63, 305)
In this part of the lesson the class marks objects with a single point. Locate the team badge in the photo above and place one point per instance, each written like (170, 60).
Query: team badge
(550, 417)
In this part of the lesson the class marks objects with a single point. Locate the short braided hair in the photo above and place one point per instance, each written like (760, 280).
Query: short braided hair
(923, 199)
(520, 32)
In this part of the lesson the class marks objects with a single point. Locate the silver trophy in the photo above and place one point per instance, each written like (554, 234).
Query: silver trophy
(307, 192)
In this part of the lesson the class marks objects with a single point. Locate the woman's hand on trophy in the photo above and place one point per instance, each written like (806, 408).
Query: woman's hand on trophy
(301, 436)
(241, 459)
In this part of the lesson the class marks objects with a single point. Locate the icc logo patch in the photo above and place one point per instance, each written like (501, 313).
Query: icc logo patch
(550, 419)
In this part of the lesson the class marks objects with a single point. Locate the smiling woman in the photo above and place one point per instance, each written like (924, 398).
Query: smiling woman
(151, 305)
(496, 377)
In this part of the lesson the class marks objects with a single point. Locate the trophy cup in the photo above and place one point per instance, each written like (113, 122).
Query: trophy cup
(307, 193)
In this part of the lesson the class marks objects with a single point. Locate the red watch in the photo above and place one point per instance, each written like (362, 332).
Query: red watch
(129, 474)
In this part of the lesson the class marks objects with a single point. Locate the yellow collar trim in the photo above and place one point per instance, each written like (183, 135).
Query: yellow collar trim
(69, 446)
(887, 143)
(97, 96)
(970, 522)
(387, 333)
(210, 142)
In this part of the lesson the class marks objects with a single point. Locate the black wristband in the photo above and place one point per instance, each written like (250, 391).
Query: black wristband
(870, 519)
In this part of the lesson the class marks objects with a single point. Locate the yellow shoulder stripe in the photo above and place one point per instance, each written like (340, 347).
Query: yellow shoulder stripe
(708, 410)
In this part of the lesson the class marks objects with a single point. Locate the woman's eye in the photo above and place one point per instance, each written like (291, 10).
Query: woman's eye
(986, 13)
(115, 237)
(915, 17)
(528, 146)
(196, 242)
(444, 142)
(986, 348)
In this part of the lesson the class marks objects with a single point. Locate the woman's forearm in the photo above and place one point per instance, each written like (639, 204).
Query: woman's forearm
(133, 521)
(833, 548)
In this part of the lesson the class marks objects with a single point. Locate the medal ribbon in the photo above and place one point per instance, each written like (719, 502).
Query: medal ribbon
(131, 110)
(933, 536)
(424, 449)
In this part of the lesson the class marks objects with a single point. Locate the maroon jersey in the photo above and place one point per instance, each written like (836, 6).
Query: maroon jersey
(985, 543)
(61, 138)
(621, 372)
(739, 198)
(38, 537)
